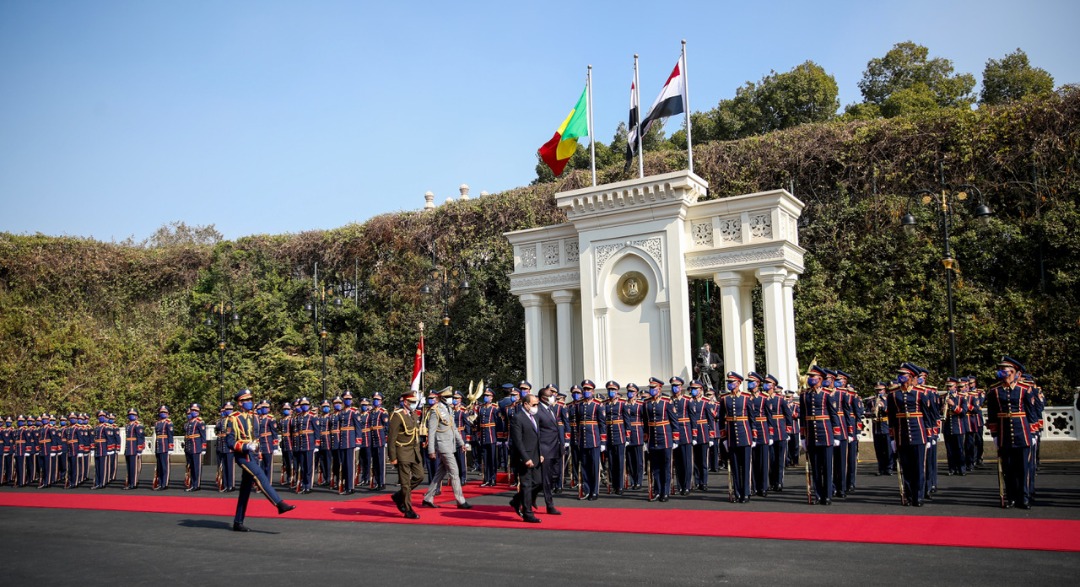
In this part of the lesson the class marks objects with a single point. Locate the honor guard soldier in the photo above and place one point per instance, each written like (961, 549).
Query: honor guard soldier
(762, 427)
(854, 426)
(288, 448)
(242, 437)
(327, 445)
(615, 436)
(658, 420)
(1040, 405)
(932, 418)
(86, 442)
(307, 440)
(64, 458)
(562, 420)
(379, 420)
(404, 451)
(7, 456)
(793, 441)
(23, 452)
(782, 427)
(363, 442)
(101, 451)
(590, 419)
(487, 416)
(635, 437)
(681, 448)
(907, 409)
(701, 433)
(348, 431)
(163, 445)
(134, 443)
(576, 397)
(461, 422)
(737, 435)
(954, 427)
(840, 445)
(49, 443)
(268, 438)
(976, 439)
(70, 438)
(879, 425)
(226, 462)
(972, 423)
(502, 426)
(714, 434)
(194, 447)
(821, 428)
(337, 449)
(1012, 416)
(114, 450)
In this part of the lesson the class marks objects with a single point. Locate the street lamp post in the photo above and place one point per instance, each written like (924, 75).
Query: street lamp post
(317, 307)
(942, 203)
(445, 279)
(223, 315)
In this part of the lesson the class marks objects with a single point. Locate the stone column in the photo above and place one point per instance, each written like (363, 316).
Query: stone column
(772, 297)
(731, 307)
(746, 327)
(534, 351)
(564, 316)
(789, 322)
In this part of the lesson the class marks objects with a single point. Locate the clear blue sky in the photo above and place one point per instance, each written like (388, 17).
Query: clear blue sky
(273, 117)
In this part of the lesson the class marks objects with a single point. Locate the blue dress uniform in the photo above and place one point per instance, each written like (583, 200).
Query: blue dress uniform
(242, 437)
(820, 427)
(487, 420)
(576, 397)
(363, 441)
(879, 426)
(226, 462)
(615, 436)
(590, 423)
(853, 425)
(1012, 416)
(287, 444)
(134, 443)
(907, 409)
(634, 413)
(562, 418)
(658, 417)
(737, 434)
(714, 434)
(326, 448)
(761, 425)
(101, 451)
(782, 428)
(796, 428)
(114, 450)
(268, 438)
(307, 440)
(22, 451)
(974, 449)
(380, 419)
(194, 447)
(86, 443)
(682, 449)
(465, 430)
(701, 434)
(163, 445)
(348, 432)
(7, 452)
(49, 445)
(840, 448)
(954, 427)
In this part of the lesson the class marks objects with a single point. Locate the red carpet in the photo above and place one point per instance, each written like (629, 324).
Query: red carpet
(1023, 534)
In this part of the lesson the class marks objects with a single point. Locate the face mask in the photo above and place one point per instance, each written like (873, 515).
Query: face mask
(812, 381)
(532, 410)
(365, 408)
(22, 424)
(612, 394)
(305, 408)
(576, 396)
(487, 399)
(1000, 374)
(588, 395)
(162, 416)
(732, 386)
(751, 385)
(675, 389)
(903, 378)
(457, 401)
(431, 401)
(326, 409)
(412, 405)
(653, 391)
(348, 402)
(766, 386)
(377, 402)
(922, 380)
(63, 422)
(246, 405)
(550, 400)
(338, 407)
(838, 384)
(630, 394)
(515, 397)
(695, 392)
(191, 416)
(286, 412)
(101, 419)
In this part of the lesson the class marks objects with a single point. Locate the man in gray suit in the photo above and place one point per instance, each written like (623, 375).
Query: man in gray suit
(443, 442)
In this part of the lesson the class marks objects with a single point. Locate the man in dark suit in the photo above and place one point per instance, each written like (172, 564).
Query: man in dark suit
(551, 443)
(525, 456)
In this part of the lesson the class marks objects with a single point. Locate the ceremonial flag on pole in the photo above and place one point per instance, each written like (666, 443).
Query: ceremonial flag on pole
(418, 365)
(557, 151)
(670, 101)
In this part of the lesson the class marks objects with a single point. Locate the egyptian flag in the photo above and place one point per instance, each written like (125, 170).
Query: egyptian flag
(557, 152)
(418, 365)
(631, 137)
(669, 102)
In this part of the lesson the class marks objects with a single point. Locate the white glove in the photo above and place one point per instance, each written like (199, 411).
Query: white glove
(566, 445)
(646, 447)
(933, 442)
(711, 443)
(468, 448)
(851, 439)
(316, 448)
(725, 445)
(892, 445)
(802, 443)
(253, 447)
(674, 444)
(753, 444)
(836, 442)
(770, 442)
(603, 447)
(693, 442)
(111, 453)
(1034, 440)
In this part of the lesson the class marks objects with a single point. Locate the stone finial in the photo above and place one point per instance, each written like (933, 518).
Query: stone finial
(483, 193)
(464, 189)
(450, 200)
(429, 200)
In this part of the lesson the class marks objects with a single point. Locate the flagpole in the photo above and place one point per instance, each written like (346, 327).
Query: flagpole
(686, 108)
(423, 363)
(589, 121)
(637, 123)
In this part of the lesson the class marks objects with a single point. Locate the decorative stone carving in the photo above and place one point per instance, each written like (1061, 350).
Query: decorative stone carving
(632, 288)
(528, 256)
(761, 226)
(571, 251)
(736, 258)
(703, 233)
(731, 230)
(570, 279)
(551, 254)
(651, 246)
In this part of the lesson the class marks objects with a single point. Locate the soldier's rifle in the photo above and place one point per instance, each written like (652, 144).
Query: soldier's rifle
(648, 474)
(809, 479)
(1000, 476)
(900, 477)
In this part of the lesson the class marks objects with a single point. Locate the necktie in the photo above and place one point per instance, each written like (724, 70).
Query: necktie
(531, 420)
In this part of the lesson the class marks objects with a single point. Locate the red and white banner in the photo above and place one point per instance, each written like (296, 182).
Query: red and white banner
(418, 365)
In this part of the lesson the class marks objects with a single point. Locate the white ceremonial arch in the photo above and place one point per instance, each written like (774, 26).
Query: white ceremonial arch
(606, 295)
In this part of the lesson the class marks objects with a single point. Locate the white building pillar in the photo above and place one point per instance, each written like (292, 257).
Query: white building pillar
(534, 349)
(564, 316)
(789, 321)
(550, 342)
(772, 298)
(731, 307)
(746, 327)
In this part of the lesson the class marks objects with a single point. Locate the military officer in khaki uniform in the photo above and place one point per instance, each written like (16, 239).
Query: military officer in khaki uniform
(403, 444)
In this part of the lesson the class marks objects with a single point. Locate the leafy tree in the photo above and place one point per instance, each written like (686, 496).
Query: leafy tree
(1011, 78)
(179, 233)
(905, 67)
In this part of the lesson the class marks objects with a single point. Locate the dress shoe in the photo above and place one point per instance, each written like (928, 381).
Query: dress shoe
(779, 488)
(528, 517)
(594, 497)
(618, 492)
(380, 487)
(551, 510)
(237, 527)
(464, 506)
(428, 504)
(285, 507)
(412, 515)
(827, 502)
(583, 497)
(350, 491)
(652, 498)
(1024, 505)
(1009, 504)
(514, 503)
(744, 500)
(918, 503)
(663, 498)
(124, 488)
(684, 492)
